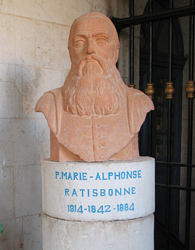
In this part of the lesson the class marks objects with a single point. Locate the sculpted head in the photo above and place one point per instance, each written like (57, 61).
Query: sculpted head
(94, 85)
(93, 44)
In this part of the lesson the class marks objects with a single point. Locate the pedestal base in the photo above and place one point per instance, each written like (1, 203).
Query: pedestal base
(134, 234)
(99, 205)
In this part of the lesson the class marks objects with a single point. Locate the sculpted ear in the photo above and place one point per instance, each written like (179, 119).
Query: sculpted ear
(116, 53)
(46, 104)
(139, 105)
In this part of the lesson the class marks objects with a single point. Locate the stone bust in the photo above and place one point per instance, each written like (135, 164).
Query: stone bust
(94, 116)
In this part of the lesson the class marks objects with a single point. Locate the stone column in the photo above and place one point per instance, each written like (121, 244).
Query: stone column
(104, 205)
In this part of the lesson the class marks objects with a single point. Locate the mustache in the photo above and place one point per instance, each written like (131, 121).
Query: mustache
(91, 58)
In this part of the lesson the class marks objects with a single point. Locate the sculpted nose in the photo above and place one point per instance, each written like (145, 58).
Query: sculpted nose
(90, 47)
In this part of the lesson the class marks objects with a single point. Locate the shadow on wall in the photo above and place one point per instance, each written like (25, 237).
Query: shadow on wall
(20, 173)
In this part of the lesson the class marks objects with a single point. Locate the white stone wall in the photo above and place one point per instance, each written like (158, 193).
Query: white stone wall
(33, 59)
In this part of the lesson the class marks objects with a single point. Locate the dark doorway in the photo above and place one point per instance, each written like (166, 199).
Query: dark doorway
(161, 66)
(159, 118)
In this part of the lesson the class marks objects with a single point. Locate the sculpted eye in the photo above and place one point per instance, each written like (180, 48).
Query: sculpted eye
(79, 43)
(101, 41)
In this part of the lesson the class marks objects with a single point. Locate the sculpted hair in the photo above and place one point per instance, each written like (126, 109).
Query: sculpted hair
(103, 95)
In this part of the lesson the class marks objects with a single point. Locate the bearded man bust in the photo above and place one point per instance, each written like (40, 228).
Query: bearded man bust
(94, 116)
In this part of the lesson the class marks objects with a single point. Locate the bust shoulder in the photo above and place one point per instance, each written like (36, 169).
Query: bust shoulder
(138, 104)
(48, 104)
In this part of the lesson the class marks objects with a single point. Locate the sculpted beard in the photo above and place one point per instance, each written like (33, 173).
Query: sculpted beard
(91, 92)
